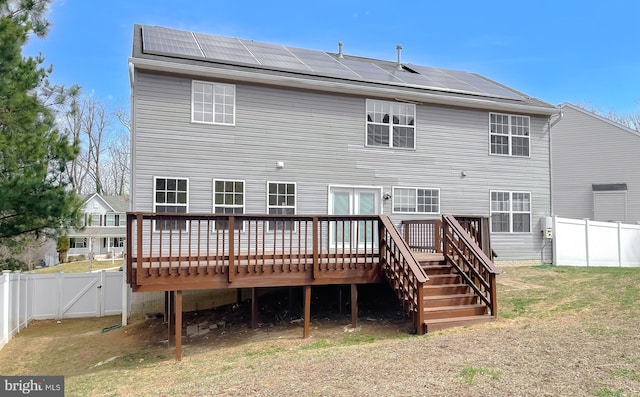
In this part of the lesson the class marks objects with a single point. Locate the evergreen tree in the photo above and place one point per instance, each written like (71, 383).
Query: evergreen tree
(34, 193)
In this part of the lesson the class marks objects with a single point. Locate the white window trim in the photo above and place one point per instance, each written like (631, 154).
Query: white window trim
(155, 178)
(393, 200)
(415, 126)
(510, 136)
(295, 206)
(193, 82)
(511, 212)
(244, 198)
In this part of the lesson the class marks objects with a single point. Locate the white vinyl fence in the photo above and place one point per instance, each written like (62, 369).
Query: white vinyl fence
(590, 243)
(25, 297)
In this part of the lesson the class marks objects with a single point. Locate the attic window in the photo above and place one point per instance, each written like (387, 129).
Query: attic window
(391, 124)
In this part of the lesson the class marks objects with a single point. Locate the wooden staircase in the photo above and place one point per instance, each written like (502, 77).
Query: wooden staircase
(448, 302)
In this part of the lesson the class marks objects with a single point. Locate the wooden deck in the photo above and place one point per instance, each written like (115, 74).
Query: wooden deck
(178, 252)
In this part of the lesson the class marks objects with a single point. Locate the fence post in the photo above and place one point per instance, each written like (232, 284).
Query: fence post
(619, 244)
(554, 240)
(17, 304)
(59, 296)
(5, 308)
(586, 239)
(101, 294)
(125, 298)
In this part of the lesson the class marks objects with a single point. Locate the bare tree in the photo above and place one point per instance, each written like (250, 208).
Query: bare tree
(94, 123)
(102, 165)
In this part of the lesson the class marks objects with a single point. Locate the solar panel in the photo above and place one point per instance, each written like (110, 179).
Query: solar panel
(368, 71)
(408, 77)
(177, 43)
(225, 49)
(159, 40)
(322, 63)
(275, 56)
(484, 85)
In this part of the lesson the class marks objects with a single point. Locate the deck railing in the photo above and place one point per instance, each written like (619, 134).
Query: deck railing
(402, 271)
(426, 235)
(237, 244)
(168, 250)
(422, 235)
(462, 252)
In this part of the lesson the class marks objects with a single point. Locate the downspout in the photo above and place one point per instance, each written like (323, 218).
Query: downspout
(550, 125)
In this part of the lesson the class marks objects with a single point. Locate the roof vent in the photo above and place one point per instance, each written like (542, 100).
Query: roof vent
(340, 50)
(399, 65)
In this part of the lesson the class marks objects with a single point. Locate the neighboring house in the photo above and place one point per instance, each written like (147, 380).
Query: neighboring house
(104, 218)
(596, 171)
(235, 126)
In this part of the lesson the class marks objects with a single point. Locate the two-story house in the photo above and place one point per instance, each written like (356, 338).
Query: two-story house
(229, 125)
(260, 165)
(104, 232)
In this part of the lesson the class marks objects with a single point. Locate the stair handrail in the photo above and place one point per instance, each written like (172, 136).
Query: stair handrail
(402, 271)
(482, 259)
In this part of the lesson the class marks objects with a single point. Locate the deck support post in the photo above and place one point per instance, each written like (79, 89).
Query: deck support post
(354, 305)
(254, 308)
(178, 325)
(171, 313)
(307, 311)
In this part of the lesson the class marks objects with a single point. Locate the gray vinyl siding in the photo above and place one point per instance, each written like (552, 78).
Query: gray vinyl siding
(320, 137)
(587, 150)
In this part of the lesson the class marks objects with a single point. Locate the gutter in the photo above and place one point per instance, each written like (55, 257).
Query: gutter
(336, 87)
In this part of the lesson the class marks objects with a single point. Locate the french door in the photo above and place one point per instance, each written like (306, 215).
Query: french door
(354, 201)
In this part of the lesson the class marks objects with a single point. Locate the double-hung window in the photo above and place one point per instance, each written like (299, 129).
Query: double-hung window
(228, 198)
(509, 135)
(171, 196)
(115, 220)
(213, 103)
(510, 212)
(412, 200)
(281, 199)
(391, 124)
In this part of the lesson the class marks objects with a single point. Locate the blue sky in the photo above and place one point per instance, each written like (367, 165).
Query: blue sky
(584, 52)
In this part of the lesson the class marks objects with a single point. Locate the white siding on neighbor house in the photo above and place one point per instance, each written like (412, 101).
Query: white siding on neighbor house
(321, 140)
(589, 150)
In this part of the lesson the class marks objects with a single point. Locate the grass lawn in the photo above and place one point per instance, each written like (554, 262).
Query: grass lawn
(80, 266)
(561, 332)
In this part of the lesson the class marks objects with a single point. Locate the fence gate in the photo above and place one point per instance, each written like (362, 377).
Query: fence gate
(78, 295)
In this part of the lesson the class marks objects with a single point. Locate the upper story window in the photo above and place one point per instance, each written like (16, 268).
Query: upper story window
(412, 200)
(391, 124)
(116, 219)
(510, 212)
(213, 103)
(281, 199)
(228, 198)
(509, 134)
(170, 195)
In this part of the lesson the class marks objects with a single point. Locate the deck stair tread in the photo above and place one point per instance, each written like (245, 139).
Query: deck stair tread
(447, 301)
(449, 296)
